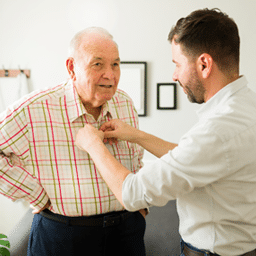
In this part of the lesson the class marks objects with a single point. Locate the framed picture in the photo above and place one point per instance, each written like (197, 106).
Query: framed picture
(166, 96)
(133, 81)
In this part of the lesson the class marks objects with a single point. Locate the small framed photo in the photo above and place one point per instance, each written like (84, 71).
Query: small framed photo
(166, 96)
(133, 81)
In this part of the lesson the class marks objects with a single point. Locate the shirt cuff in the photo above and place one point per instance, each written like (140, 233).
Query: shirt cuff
(40, 198)
(133, 194)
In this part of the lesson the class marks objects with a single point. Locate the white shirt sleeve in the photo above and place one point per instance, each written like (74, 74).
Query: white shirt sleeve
(199, 159)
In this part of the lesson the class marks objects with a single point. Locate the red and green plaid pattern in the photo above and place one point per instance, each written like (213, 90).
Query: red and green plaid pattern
(39, 160)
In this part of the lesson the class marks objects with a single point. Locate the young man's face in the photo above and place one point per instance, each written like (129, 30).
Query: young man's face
(186, 74)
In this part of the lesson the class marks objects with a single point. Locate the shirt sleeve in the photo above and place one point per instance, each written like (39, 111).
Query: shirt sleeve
(15, 181)
(198, 160)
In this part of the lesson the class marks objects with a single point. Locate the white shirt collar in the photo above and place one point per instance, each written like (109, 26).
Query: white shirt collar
(221, 96)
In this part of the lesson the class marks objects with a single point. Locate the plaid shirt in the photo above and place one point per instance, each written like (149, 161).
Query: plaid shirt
(39, 159)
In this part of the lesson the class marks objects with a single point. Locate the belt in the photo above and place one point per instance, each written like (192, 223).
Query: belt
(190, 252)
(102, 220)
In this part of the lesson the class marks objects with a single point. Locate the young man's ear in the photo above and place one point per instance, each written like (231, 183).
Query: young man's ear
(70, 68)
(205, 63)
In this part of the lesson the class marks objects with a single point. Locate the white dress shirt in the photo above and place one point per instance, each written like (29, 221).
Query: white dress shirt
(211, 173)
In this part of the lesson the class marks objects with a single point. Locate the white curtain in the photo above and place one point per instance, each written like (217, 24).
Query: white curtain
(12, 89)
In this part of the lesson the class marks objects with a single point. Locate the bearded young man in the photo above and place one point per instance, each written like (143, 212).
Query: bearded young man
(211, 171)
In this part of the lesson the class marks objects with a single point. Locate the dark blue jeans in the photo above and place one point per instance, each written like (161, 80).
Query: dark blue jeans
(251, 253)
(191, 247)
(51, 238)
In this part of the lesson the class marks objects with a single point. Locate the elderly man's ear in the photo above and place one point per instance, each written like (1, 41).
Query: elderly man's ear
(70, 68)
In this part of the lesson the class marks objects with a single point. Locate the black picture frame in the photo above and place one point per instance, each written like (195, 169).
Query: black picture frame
(133, 81)
(166, 96)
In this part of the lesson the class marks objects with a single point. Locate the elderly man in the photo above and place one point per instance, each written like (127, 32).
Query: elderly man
(211, 172)
(78, 213)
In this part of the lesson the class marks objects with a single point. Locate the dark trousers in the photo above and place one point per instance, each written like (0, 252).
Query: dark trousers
(52, 238)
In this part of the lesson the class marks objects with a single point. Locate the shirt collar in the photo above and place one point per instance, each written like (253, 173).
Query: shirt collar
(73, 103)
(221, 96)
(75, 107)
(109, 108)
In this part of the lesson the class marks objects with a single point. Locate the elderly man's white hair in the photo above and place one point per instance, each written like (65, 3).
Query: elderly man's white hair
(77, 39)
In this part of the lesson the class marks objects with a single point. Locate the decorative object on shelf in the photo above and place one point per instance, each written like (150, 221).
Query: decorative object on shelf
(166, 96)
(14, 72)
(133, 81)
(13, 86)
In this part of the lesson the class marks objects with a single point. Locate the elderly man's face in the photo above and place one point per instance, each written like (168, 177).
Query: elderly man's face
(97, 71)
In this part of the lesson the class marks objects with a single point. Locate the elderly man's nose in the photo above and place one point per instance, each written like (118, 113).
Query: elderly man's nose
(109, 73)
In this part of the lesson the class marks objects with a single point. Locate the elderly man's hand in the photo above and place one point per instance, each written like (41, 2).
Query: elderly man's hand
(88, 137)
(35, 211)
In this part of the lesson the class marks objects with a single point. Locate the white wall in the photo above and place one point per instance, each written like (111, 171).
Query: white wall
(35, 35)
